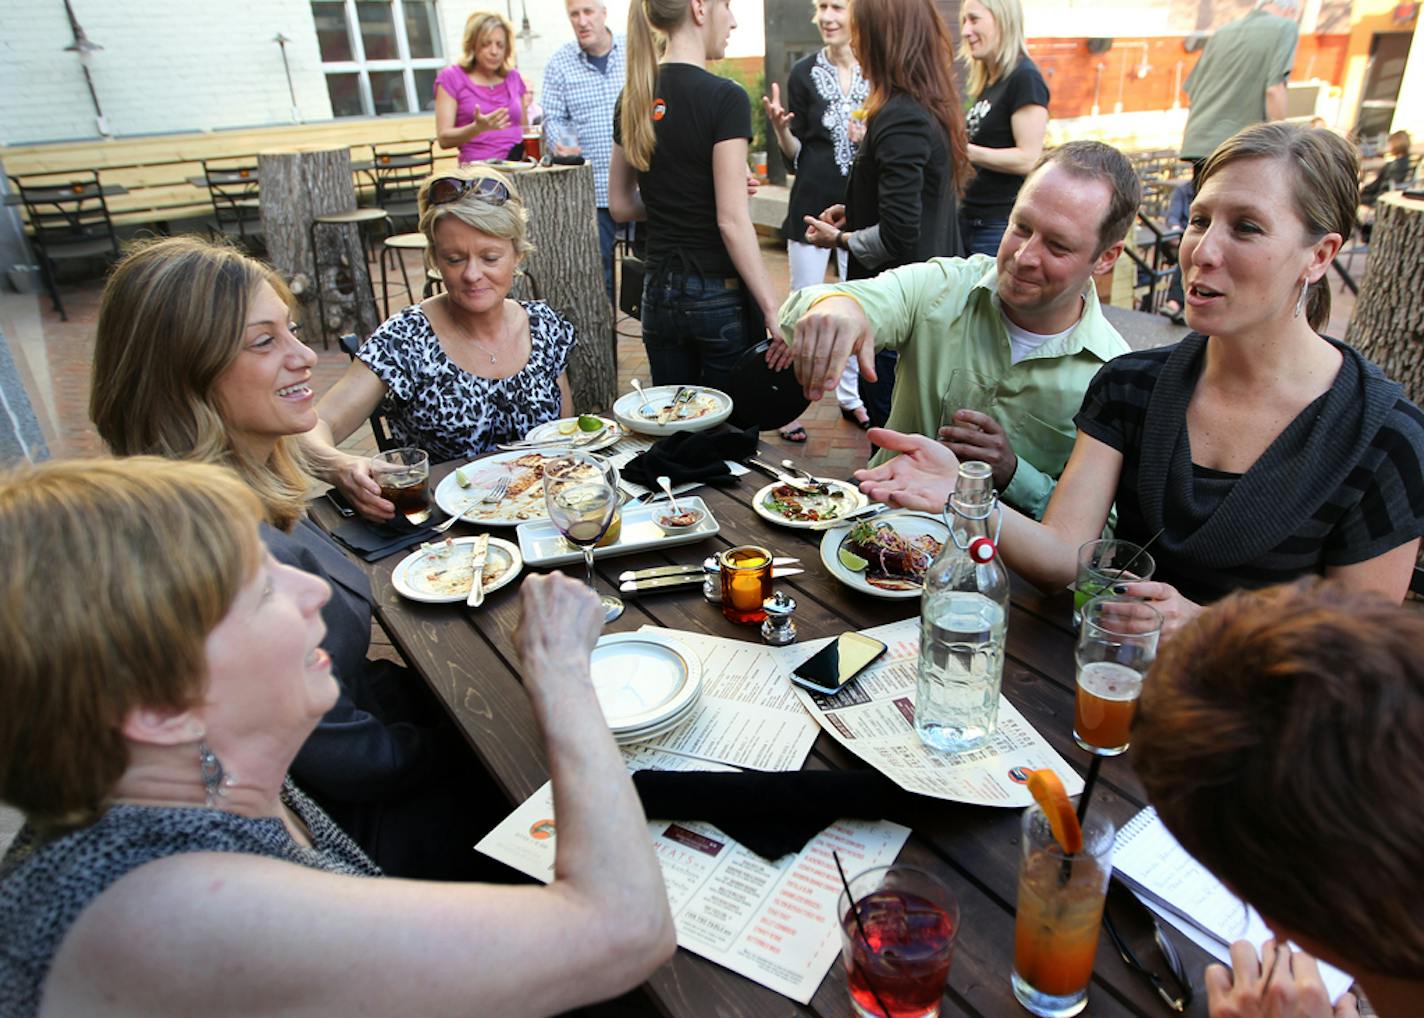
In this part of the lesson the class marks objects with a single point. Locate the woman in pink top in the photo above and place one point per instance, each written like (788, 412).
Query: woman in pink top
(480, 102)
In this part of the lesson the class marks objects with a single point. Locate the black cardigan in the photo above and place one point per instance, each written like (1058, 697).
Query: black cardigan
(902, 180)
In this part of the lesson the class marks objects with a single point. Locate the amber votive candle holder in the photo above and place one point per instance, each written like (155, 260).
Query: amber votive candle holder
(746, 582)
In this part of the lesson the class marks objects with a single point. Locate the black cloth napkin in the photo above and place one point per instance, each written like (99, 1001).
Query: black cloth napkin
(374, 541)
(771, 813)
(692, 456)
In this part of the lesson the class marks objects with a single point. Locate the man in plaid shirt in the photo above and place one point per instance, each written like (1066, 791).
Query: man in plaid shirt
(581, 87)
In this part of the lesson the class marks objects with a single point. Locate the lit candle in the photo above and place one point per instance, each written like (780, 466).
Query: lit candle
(746, 583)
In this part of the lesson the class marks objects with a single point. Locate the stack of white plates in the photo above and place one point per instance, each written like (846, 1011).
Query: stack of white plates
(646, 683)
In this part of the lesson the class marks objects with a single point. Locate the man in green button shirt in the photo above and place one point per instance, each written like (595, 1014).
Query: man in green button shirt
(1031, 323)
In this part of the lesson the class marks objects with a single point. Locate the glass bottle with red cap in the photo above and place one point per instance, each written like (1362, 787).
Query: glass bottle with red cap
(963, 621)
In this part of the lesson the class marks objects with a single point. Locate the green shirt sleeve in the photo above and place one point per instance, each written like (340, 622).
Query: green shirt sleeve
(1030, 489)
(896, 301)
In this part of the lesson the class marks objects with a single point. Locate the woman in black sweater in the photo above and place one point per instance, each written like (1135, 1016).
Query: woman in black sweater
(901, 202)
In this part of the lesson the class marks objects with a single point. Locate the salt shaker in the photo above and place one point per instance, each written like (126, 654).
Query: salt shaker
(712, 580)
(779, 629)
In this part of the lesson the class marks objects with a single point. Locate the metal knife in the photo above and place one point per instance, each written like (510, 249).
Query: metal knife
(684, 580)
(870, 512)
(787, 479)
(696, 568)
(479, 551)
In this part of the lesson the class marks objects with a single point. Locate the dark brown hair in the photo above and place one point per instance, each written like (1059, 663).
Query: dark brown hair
(904, 48)
(1325, 182)
(1093, 160)
(1281, 738)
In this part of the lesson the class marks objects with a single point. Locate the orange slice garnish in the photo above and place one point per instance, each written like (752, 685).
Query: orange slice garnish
(1048, 792)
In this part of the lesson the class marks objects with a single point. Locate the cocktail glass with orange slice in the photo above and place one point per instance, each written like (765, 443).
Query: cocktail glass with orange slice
(1063, 880)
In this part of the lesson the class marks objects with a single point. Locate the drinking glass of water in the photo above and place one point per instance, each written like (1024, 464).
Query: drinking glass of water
(968, 390)
(581, 494)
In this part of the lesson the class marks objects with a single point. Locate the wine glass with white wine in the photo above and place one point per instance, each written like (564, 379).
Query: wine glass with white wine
(581, 494)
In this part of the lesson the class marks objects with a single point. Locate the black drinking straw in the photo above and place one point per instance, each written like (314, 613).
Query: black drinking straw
(1088, 783)
(1136, 555)
(855, 911)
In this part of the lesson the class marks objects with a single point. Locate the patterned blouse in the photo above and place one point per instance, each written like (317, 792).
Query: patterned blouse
(436, 405)
(822, 124)
(46, 885)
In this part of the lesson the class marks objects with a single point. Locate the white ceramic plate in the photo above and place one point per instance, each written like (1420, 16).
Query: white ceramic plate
(549, 431)
(908, 524)
(715, 406)
(662, 728)
(851, 499)
(441, 574)
(542, 545)
(516, 507)
(643, 680)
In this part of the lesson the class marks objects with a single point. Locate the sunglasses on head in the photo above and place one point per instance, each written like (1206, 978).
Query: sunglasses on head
(445, 190)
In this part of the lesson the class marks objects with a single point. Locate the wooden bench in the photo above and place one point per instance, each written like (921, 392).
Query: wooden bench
(155, 168)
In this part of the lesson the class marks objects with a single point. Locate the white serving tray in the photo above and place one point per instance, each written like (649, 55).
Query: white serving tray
(541, 544)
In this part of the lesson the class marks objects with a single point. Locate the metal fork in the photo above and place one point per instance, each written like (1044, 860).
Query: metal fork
(496, 493)
(455, 517)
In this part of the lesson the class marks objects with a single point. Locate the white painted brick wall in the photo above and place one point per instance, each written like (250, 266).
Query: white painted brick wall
(186, 65)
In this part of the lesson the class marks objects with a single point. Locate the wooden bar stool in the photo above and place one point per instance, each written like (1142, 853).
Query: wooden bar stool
(393, 250)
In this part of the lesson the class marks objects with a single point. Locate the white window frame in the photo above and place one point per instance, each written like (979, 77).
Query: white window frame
(362, 67)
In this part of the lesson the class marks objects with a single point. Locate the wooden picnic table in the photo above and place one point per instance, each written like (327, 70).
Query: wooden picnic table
(468, 660)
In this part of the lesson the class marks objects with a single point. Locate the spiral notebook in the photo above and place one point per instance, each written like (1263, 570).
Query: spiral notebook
(1181, 890)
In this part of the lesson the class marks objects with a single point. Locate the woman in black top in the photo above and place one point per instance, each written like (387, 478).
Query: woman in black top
(680, 162)
(912, 166)
(1254, 451)
(1006, 118)
(817, 135)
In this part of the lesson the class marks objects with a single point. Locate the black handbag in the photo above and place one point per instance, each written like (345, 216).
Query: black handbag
(630, 291)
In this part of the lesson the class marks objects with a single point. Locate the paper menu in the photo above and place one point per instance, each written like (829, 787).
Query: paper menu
(773, 922)
(747, 716)
(1174, 885)
(873, 717)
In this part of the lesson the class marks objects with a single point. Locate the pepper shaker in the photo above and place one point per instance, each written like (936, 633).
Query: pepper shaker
(779, 629)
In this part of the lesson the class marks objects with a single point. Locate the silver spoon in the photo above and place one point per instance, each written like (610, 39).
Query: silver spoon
(665, 482)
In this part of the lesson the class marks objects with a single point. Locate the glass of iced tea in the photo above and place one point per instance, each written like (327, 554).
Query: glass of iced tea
(1117, 642)
(1060, 908)
(1102, 565)
(404, 477)
(534, 143)
(897, 955)
(746, 582)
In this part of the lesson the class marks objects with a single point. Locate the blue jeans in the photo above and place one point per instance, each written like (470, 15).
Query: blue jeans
(608, 231)
(982, 236)
(695, 327)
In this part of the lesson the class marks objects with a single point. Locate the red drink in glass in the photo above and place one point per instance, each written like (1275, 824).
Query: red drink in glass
(907, 957)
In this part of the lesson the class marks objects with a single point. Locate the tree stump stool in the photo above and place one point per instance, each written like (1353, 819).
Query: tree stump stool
(297, 185)
(565, 263)
(1388, 323)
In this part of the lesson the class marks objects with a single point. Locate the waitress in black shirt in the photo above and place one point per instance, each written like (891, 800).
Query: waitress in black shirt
(1006, 119)
(814, 132)
(901, 201)
(680, 163)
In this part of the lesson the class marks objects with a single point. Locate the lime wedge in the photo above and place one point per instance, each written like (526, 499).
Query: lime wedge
(851, 560)
(568, 427)
(461, 478)
(588, 422)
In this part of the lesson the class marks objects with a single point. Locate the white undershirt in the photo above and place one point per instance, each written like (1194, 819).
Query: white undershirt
(1025, 342)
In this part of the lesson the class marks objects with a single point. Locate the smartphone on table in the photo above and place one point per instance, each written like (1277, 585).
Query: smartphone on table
(832, 667)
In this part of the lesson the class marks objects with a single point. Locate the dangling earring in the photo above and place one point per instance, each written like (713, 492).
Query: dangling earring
(1300, 302)
(215, 778)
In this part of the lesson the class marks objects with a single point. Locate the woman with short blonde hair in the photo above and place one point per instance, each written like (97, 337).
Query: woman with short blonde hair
(465, 370)
(481, 102)
(154, 696)
(1007, 118)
